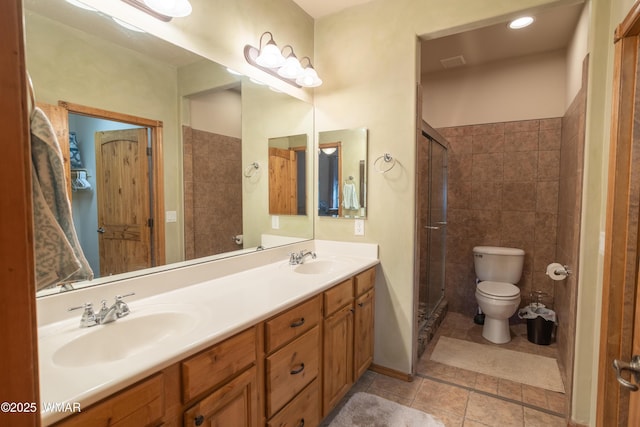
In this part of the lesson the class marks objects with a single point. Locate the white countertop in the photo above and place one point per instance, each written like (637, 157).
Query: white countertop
(218, 308)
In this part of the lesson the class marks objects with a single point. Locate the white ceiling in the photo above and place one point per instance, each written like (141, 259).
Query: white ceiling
(320, 8)
(551, 30)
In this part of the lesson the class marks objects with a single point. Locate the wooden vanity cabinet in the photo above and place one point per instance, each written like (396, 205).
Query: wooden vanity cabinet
(338, 344)
(141, 405)
(364, 311)
(348, 336)
(288, 371)
(292, 365)
(226, 376)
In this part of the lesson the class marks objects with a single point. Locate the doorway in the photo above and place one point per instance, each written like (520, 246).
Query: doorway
(115, 178)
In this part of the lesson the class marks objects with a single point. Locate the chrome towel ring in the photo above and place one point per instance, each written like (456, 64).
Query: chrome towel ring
(386, 159)
(251, 170)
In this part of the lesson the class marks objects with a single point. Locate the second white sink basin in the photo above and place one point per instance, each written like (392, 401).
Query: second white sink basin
(123, 338)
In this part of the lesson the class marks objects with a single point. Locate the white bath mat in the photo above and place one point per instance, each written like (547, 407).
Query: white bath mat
(524, 368)
(368, 410)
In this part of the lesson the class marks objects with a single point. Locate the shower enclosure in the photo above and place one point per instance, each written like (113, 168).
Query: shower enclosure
(431, 233)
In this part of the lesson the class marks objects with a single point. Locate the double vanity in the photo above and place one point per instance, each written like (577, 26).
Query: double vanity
(250, 340)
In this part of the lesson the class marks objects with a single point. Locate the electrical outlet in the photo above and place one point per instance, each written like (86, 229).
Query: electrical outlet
(359, 227)
(171, 216)
(275, 222)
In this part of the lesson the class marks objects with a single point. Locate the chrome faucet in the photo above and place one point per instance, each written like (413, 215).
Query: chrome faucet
(106, 314)
(298, 258)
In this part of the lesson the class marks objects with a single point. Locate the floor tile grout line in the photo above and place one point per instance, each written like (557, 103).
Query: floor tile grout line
(506, 399)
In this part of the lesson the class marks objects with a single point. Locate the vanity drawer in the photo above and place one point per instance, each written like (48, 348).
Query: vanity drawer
(292, 323)
(218, 363)
(304, 410)
(365, 281)
(290, 369)
(338, 296)
(140, 405)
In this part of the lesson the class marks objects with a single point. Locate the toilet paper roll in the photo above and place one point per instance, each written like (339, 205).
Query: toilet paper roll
(556, 271)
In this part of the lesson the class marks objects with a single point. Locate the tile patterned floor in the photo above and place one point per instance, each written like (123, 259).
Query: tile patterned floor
(461, 398)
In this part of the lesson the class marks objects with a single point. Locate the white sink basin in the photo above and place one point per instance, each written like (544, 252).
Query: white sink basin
(123, 338)
(318, 266)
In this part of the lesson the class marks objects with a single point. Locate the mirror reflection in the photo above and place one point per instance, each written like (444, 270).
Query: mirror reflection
(287, 175)
(342, 173)
(210, 125)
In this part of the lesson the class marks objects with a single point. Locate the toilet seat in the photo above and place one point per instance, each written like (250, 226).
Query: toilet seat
(498, 290)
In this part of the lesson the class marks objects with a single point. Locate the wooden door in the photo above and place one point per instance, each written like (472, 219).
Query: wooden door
(363, 334)
(124, 208)
(620, 328)
(59, 118)
(233, 404)
(283, 183)
(338, 358)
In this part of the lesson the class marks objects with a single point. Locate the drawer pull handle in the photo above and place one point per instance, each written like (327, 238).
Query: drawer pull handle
(297, 371)
(298, 323)
(301, 423)
(199, 420)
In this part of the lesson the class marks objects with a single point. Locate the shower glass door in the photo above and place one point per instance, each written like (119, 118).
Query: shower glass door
(436, 225)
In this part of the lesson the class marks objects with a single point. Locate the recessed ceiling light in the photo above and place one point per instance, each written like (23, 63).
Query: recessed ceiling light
(522, 22)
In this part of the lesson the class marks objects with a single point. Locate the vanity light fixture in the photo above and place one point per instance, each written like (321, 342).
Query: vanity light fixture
(270, 59)
(521, 22)
(329, 151)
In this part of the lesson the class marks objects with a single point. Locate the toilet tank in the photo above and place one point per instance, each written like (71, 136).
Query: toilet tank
(498, 264)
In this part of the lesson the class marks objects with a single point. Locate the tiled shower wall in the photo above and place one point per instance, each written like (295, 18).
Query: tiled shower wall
(502, 191)
(212, 192)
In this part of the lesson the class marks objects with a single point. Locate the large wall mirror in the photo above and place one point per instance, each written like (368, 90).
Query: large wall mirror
(342, 173)
(213, 126)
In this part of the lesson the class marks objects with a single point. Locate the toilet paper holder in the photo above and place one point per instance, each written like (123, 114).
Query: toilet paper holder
(558, 271)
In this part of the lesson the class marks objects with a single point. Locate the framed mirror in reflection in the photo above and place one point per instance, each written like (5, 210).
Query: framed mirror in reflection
(342, 173)
(287, 175)
(210, 123)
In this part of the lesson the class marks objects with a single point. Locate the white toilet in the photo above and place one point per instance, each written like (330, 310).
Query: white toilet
(497, 269)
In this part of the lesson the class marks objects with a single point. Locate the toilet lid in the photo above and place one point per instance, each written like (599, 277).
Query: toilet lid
(498, 289)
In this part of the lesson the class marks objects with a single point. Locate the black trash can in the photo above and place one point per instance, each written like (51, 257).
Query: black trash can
(540, 323)
(539, 330)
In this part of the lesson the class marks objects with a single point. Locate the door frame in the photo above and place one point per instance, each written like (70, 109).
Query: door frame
(622, 232)
(18, 329)
(157, 165)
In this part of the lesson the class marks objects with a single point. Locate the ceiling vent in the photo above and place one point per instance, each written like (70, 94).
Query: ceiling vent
(453, 62)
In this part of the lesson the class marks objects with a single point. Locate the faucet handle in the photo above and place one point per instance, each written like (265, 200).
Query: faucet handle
(88, 315)
(103, 310)
(122, 309)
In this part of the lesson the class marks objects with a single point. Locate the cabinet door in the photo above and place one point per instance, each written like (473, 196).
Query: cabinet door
(140, 405)
(233, 404)
(363, 334)
(338, 357)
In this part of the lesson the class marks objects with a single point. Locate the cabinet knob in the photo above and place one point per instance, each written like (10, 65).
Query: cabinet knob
(198, 420)
(301, 423)
(360, 304)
